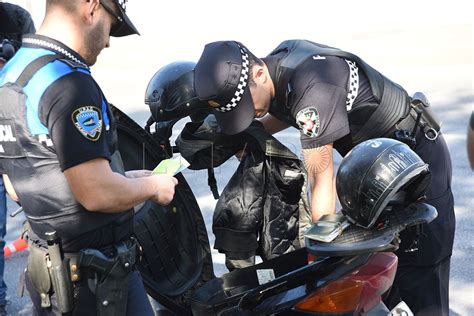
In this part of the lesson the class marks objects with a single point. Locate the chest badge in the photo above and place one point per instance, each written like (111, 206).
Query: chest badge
(88, 121)
(308, 121)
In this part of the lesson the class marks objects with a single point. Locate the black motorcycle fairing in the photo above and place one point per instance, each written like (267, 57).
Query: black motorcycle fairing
(221, 296)
(280, 296)
(240, 292)
(175, 247)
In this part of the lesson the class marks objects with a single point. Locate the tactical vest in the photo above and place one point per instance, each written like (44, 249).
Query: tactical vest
(27, 153)
(393, 100)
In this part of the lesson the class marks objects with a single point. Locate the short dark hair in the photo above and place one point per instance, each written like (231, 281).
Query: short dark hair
(68, 5)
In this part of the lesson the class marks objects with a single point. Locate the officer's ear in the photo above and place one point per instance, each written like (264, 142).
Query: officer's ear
(91, 8)
(259, 74)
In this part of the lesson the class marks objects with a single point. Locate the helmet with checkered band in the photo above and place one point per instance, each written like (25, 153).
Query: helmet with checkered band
(171, 95)
(376, 173)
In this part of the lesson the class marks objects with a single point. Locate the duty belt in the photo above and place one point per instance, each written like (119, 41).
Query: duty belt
(420, 119)
(109, 252)
(408, 123)
(110, 275)
(105, 271)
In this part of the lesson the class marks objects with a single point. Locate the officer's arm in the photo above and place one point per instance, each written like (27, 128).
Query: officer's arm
(9, 188)
(273, 125)
(320, 167)
(96, 187)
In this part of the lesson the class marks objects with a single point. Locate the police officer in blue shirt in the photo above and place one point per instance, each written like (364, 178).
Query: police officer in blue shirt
(336, 101)
(59, 150)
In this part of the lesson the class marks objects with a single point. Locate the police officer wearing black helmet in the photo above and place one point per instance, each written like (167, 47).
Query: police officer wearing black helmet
(337, 101)
(59, 149)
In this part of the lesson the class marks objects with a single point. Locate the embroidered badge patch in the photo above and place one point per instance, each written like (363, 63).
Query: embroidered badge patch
(308, 121)
(88, 120)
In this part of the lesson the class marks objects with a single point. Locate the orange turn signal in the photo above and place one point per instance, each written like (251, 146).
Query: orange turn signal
(337, 297)
(356, 292)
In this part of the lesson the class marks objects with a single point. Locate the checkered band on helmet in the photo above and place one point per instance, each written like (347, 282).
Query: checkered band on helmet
(353, 84)
(123, 4)
(243, 81)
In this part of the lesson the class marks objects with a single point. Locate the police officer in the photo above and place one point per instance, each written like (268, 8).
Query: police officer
(336, 101)
(58, 147)
(14, 22)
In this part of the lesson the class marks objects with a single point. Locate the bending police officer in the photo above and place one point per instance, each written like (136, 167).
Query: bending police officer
(63, 162)
(336, 100)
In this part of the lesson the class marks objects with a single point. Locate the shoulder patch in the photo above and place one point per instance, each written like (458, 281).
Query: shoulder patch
(88, 121)
(308, 121)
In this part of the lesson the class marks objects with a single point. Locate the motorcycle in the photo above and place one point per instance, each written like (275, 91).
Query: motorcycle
(348, 276)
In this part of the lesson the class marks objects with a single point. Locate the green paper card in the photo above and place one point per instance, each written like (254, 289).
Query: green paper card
(171, 166)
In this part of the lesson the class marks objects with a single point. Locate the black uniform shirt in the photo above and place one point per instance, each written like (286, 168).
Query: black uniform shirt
(69, 108)
(73, 110)
(318, 102)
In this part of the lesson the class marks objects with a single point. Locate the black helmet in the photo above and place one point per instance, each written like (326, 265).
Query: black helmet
(376, 172)
(170, 93)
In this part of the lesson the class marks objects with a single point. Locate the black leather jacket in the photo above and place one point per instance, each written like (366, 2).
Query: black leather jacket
(260, 208)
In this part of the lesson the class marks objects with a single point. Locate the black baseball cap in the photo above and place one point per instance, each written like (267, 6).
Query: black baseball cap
(125, 26)
(221, 77)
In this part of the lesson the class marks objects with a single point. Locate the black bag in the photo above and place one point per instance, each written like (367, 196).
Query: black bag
(175, 252)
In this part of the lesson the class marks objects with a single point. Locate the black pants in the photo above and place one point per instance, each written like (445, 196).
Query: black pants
(424, 289)
(422, 279)
(85, 304)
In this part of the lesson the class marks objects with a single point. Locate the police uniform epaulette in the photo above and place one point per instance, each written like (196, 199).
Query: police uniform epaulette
(73, 64)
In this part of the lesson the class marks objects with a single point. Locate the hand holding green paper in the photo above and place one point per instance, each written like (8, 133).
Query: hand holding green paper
(171, 166)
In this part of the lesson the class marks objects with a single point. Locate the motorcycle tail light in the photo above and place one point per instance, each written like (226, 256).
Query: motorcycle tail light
(356, 292)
